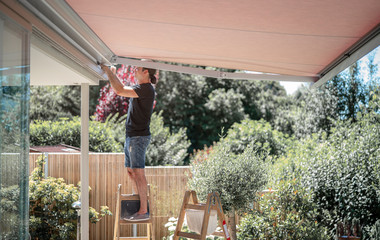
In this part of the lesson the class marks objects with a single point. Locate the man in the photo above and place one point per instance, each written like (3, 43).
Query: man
(137, 129)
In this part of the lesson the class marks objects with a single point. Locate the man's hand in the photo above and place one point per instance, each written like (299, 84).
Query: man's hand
(108, 70)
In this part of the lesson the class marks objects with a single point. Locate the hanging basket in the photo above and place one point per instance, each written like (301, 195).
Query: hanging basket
(194, 220)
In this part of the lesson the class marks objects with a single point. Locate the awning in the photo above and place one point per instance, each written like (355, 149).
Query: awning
(304, 39)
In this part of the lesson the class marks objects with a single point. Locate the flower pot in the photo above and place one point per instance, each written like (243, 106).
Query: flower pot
(194, 220)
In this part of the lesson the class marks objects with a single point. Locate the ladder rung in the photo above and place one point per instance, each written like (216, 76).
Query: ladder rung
(135, 238)
(124, 222)
(189, 235)
(198, 207)
(129, 197)
(219, 234)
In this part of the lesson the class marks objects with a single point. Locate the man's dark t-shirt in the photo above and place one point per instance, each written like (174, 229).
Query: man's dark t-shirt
(140, 110)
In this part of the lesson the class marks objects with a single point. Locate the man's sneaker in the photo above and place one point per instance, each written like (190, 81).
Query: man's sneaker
(138, 217)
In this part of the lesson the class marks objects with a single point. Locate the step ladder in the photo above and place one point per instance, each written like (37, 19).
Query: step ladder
(212, 203)
(123, 202)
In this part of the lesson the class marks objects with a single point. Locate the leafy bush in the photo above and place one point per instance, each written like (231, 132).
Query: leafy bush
(287, 213)
(341, 170)
(166, 148)
(68, 131)
(374, 231)
(236, 177)
(9, 211)
(258, 134)
(344, 177)
(51, 213)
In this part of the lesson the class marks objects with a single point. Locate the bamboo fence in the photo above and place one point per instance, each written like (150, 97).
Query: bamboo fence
(106, 171)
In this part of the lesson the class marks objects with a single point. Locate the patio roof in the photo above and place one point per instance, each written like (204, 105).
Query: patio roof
(290, 40)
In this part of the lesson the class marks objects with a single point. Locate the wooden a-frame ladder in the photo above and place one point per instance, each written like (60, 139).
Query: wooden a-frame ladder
(119, 221)
(212, 203)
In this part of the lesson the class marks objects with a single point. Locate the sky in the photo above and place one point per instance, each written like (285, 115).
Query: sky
(291, 87)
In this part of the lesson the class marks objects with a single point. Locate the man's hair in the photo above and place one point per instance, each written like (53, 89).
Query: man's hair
(152, 73)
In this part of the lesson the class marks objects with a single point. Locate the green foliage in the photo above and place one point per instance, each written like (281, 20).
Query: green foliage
(224, 108)
(51, 214)
(350, 91)
(315, 112)
(258, 134)
(68, 131)
(55, 102)
(341, 170)
(166, 148)
(374, 231)
(344, 178)
(206, 105)
(9, 211)
(236, 177)
(287, 213)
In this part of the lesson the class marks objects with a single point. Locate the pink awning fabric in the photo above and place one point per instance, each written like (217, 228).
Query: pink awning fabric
(290, 37)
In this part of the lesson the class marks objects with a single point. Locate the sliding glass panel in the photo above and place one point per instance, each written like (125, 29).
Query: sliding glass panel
(14, 129)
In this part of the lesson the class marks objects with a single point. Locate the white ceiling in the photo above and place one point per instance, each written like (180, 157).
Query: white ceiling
(53, 68)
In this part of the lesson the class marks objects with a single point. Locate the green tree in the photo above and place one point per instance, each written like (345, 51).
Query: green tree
(55, 102)
(236, 177)
(224, 108)
(350, 90)
(341, 170)
(197, 103)
(259, 135)
(314, 112)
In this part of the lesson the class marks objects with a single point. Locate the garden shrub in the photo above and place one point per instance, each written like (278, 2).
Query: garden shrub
(9, 211)
(341, 170)
(344, 179)
(260, 135)
(51, 213)
(69, 131)
(236, 177)
(287, 213)
(165, 148)
(374, 231)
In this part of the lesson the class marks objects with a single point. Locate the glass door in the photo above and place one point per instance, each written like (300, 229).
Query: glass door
(14, 129)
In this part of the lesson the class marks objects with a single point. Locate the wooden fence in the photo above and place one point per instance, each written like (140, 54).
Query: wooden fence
(168, 185)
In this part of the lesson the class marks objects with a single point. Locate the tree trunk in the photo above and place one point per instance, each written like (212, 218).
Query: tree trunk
(232, 224)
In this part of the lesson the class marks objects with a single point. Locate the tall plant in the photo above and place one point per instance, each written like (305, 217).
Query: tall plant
(51, 213)
(236, 177)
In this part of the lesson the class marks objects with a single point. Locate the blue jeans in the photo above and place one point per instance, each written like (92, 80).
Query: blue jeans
(134, 149)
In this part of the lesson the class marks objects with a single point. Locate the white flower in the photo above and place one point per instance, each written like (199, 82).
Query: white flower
(172, 219)
(169, 224)
(172, 228)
